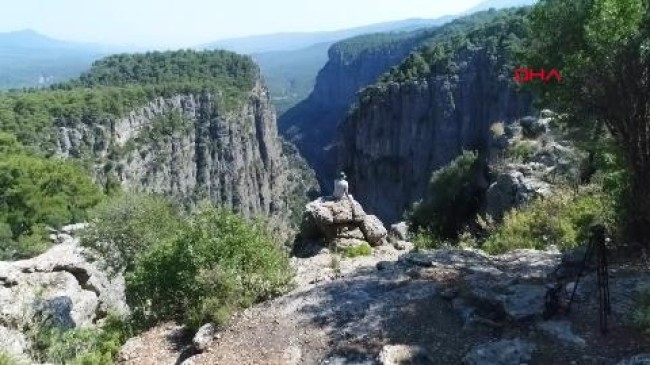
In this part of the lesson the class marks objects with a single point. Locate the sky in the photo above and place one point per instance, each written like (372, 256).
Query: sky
(184, 23)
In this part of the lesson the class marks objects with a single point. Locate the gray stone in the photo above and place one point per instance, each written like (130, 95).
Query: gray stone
(533, 127)
(61, 287)
(642, 359)
(341, 222)
(204, 337)
(504, 352)
(562, 331)
(399, 231)
(513, 189)
(404, 354)
(373, 230)
(13, 342)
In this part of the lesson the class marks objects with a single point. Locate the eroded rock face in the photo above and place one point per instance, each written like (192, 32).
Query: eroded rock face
(60, 288)
(341, 222)
(232, 157)
(401, 133)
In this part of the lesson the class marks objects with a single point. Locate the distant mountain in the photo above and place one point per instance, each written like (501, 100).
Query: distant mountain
(499, 4)
(31, 59)
(295, 41)
(290, 61)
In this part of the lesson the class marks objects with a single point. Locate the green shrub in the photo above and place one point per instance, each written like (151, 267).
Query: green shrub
(562, 219)
(126, 226)
(36, 192)
(362, 249)
(452, 200)
(217, 263)
(81, 346)
(523, 150)
(6, 359)
(641, 313)
(426, 240)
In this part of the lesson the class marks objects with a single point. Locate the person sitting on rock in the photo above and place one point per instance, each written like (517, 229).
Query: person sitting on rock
(340, 187)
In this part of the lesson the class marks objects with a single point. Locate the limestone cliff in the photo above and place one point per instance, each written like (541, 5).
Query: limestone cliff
(400, 132)
(190, 147)
(352, 65)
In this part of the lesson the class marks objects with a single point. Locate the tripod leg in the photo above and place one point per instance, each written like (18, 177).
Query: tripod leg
(587, 258)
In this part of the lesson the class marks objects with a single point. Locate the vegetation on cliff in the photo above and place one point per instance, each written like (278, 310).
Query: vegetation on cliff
(499, 33)
(36, 193)
(117, 84)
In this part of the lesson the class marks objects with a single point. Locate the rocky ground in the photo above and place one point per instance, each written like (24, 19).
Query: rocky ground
(439, 307)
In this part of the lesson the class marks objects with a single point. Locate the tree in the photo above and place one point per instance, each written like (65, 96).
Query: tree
(602, 50)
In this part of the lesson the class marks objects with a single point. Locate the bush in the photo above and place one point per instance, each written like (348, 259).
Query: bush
(453, 198)
(641, 314)
(362, 249)
(81, 346)
(215, 264)
(562, 220)
(126, 226)
(523, 150)
(6, 359)
(36, 192)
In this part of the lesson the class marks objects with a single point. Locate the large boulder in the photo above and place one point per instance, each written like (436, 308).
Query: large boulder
(514, 188)
(60, 288)
(341, 222)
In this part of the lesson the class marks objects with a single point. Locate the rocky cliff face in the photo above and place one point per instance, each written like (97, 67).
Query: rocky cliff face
(190, 147)
(401, 132)
(352, 65)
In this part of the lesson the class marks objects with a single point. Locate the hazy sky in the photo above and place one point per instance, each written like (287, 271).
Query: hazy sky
(176, 23)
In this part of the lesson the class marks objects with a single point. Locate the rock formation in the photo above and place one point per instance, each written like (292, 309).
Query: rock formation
(526, 161)
(341, 223)
(311, 125)
(187, 147)
(62, 288)
(400, 133)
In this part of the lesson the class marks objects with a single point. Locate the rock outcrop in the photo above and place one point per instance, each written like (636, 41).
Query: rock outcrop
(191, 147)
(341, 223)
(401, 132)
(61, 288)
(526, 162)
(311, 125)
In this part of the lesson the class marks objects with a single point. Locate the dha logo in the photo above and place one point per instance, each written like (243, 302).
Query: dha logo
(523, 75)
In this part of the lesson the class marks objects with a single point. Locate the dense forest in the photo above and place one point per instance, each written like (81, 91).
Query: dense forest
(116, 85)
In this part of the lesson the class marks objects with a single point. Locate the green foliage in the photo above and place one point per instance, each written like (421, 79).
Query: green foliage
(499, 33)
(185, 66)
(601, 48)
(116, 85)
(36, 192)
(426, 240)
(81, 346)
(6, 359)
(362, 249)
(453, 198)
(641, 312)
(217, 263)
(562, 219)
(523, 150)
(128, 225)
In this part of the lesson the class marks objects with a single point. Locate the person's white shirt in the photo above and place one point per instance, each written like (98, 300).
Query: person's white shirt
(340, 188)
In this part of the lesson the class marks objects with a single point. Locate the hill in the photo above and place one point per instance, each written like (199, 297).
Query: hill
(30, 59)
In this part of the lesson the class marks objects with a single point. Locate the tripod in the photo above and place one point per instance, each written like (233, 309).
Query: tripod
(598, 246)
